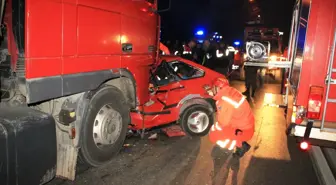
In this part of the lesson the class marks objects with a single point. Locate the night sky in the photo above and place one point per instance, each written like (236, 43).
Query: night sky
(225, 16)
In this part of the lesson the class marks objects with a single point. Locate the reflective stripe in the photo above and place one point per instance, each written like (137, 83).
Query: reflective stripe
(217, 126)
(208, 56)
(227, 52)
(186, 52)
(223, 144)
(219, 55)
(233, 144)
(232, 102)
(176, 52)
(213, 128)
(230, 48)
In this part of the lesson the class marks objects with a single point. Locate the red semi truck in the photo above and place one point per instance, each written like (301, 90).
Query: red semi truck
(75, 77)
(86, 63)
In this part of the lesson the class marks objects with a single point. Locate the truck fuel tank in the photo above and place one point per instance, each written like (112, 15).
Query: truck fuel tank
(27, 146)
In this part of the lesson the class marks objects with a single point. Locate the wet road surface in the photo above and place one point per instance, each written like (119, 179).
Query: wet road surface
(273, 159)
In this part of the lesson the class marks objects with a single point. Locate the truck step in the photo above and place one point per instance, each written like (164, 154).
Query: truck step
(331, 100)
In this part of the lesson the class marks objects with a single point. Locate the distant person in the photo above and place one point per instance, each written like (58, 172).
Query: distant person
(199, 53)
(210, 59)
(251, 74)
(177, 48)
(224, 62)
(189, 51)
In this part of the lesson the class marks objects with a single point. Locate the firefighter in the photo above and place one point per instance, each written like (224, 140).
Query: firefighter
(213, 58)
(177, 48)
(205, 49)
(235, 119)
(189, 51)
(223, 59)
(164, 49)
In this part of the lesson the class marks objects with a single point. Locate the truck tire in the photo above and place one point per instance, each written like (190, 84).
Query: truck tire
(196, 120)
(105, 127)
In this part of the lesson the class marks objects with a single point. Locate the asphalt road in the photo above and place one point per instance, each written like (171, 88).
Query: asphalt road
(273, 159)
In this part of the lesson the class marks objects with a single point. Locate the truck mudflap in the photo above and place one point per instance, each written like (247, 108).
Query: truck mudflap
(27, 146)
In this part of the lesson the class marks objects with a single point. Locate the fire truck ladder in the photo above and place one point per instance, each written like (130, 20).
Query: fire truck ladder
(329, 81)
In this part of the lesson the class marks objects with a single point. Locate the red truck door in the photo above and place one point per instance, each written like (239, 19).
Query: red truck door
(139, 36)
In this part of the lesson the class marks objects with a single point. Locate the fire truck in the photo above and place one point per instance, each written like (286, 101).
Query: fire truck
(267, 36)
(266, 40)
(310, 100)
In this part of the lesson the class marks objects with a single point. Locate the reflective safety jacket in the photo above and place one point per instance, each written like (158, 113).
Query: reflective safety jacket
(233, 109)
(164, 49)
(186, 50)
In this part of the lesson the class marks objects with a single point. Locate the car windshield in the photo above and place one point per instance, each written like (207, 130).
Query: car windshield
(168, 72)
(185, 71)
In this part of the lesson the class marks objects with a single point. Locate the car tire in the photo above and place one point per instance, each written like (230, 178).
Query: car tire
(205, 114)
(104, 127)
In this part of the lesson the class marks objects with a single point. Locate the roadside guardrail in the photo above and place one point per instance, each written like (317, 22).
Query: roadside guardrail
(324, 162)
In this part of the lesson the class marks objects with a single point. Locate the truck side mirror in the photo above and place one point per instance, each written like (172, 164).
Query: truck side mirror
(164, 5)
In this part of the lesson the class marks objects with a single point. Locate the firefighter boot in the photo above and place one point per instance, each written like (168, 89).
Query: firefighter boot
(253, 93)
(240, 152)
(247, 92)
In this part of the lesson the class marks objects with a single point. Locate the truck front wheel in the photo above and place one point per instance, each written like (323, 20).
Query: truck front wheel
(105, 126)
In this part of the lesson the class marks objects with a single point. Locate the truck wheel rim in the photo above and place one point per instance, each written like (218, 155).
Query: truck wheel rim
(107, 126)
(198, 122)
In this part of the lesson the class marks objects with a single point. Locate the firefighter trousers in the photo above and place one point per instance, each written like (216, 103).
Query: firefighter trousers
(231, 133)
(251, 79)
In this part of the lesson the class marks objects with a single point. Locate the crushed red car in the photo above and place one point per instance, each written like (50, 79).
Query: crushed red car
(179, 91)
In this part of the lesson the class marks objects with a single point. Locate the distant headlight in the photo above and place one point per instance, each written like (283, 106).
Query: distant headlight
(273, 58)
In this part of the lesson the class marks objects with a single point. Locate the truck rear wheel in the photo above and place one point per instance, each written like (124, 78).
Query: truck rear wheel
(105, 126)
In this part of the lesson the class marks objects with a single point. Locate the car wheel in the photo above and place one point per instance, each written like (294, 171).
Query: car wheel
(196, 120)
(105, 127)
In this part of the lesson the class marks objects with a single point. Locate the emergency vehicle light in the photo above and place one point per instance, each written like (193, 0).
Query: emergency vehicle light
(236, 43)
(200, 32)
(304, 145)
(314, 102)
